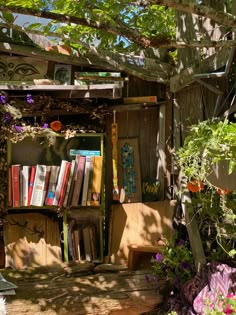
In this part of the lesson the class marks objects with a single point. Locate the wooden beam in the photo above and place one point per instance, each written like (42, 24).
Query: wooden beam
(209, 64)
(210, 87)
(130, 107)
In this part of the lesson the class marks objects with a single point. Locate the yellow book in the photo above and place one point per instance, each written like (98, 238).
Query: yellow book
(97, 181)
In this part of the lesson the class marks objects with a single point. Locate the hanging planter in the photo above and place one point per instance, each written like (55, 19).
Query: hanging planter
(209, 154)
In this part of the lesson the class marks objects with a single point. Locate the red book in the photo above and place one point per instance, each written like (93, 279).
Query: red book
(64, 184)
(31, 183)
(15, 171)
(46, 184)
(80, 160)
(9, 187)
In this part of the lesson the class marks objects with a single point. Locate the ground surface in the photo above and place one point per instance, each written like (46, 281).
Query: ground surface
(80, 289)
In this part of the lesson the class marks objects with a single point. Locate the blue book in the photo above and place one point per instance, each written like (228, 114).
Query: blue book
(74, 152)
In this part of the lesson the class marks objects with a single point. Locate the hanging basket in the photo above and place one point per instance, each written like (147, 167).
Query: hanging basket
(220, 176)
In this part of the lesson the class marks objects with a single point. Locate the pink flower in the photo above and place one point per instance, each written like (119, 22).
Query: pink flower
(228, 309)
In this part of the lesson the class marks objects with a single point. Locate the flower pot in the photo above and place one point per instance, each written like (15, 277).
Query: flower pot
(220, 176)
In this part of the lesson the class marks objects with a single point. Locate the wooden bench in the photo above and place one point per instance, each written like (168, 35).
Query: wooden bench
(140, 256)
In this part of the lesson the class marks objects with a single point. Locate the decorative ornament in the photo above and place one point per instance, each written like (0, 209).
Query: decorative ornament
(56, 125)
(127, 160)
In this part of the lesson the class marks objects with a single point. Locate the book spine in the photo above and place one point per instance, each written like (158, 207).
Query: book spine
(74, 152)
(38, 187)
(59, 182)
(31, 183)
(97, 181)
(86, 181)
(25, 184)
(46, 184)
(78, 180)
(16, 185)
(69, 185)
(89, 196)
(52, 185)
(10, 187)
(64, 184)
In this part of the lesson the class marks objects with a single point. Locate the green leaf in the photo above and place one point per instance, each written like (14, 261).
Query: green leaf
(8, 17)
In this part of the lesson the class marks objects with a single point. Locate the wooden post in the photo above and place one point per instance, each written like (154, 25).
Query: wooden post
(193, 232)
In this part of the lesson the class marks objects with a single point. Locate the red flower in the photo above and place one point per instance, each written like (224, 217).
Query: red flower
(195, 186)
(228, 309)
(56, 125)
(223, 191)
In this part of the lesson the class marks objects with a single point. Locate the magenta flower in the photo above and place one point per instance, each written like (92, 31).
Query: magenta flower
(45, 125)
(228, 309)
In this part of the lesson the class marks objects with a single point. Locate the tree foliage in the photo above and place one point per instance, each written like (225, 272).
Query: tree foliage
(117, 25)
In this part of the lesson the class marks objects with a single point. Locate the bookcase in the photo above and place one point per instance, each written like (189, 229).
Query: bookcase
(81, 209)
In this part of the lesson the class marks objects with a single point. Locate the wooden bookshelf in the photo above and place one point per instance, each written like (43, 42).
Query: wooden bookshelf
(37, 151)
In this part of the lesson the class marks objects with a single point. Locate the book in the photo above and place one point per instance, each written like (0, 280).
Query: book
(64, 184)
(74, 152)
(78, 180)
(89, 195)
(9, 187)
(15, 170)
(76, 237)
(37, 198)
(69, 185)
(86, 181)
(46, 184)
(52, 184)
(59, 182)
(97, 181)
(25, 175)
(31, 183)
(87, 244)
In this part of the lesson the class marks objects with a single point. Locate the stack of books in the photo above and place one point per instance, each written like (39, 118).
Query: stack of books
(71, 184)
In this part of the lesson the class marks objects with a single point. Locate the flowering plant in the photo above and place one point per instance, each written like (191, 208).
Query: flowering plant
(224, 305)
(173, 263)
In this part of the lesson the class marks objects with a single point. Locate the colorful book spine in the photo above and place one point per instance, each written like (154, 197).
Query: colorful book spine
(97, 181)
(69, 185)
(59, 183)
(15, 185)
(31, 183)
(89, 195)
(46, 184)
(80, 160)
(64, 184)
(74, 152)
(10, 187)
(52, 185)
(86, 181)
(37, 198)
(25, 174)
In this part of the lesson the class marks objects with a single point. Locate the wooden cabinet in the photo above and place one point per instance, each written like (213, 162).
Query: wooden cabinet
(79, 226)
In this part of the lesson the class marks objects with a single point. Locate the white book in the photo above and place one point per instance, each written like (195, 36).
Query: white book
(72, 171)
(37, 198)
(86, 181)
(25, 174)
(59, 182)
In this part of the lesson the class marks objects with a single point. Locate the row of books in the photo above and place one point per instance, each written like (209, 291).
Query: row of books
(73, 183)
(83, 244)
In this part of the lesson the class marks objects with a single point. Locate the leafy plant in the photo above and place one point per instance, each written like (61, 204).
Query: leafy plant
(173, 263)
(224, 305)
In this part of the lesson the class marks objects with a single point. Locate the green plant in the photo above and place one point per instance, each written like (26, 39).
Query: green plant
(174, 264)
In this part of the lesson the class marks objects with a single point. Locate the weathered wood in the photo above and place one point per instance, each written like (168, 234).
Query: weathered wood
(140, 99)
(209, 64)
(138, 224)
(160, 151)
(193, 232)
(132, 107)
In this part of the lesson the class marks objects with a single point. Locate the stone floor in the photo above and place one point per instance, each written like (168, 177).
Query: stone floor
(80, 289)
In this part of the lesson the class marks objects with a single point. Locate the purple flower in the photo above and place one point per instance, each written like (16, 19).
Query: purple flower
(8, 118)
(29, 99)
(185, 265)
(147, 278)
(3, 99)
(45, 125)
(181, 242)
(158, 257)
(18, 128)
